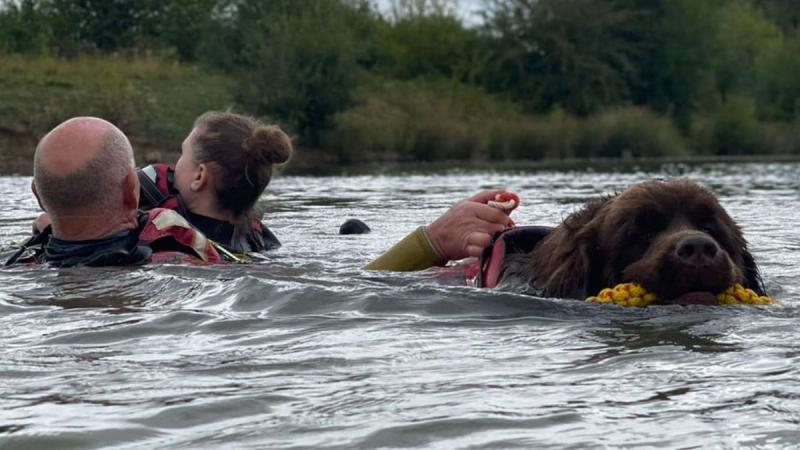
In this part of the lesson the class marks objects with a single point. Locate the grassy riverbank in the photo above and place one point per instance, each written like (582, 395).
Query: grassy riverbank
(155, 102)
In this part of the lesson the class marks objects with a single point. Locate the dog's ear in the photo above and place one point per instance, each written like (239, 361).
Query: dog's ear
(593, 280)
(563, 264)
(752, 276)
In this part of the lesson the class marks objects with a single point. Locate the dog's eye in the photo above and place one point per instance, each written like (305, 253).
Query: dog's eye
(649, 223)
(707, 226)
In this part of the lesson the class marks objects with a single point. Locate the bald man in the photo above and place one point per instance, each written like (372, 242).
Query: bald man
(85, 180)
(84, 177)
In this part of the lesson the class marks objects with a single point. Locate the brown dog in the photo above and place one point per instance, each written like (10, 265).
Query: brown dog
(673, 237)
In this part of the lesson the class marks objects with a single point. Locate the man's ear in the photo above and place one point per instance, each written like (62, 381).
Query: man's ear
(130, 190)
(201, 177)
(36, 194)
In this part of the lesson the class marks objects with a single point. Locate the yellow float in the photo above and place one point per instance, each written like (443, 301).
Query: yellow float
(634, 294)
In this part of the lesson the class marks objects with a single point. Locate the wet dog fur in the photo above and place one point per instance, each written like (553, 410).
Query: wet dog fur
(671, 236)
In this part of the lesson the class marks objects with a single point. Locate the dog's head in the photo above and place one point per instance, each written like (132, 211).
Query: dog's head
(673, 237)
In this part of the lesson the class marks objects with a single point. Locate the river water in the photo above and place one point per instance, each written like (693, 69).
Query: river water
(308, 351)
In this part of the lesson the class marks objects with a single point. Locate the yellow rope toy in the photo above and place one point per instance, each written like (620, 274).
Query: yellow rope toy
(634, 294)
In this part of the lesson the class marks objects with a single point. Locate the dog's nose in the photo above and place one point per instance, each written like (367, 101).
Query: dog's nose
(696, 250)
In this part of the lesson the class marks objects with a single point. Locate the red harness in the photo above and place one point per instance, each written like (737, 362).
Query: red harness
(509, 241)
(157, 191)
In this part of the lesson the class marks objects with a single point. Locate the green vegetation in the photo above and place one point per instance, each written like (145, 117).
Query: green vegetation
(536, 79)
(429, 121)
(155, 102)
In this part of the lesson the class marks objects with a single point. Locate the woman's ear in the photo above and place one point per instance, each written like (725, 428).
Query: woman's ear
(201, 177)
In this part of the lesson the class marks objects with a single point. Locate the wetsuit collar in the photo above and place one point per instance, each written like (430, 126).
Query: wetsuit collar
(119, 249)
(219, 231)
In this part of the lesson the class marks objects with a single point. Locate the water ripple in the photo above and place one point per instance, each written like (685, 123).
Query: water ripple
(309, 351)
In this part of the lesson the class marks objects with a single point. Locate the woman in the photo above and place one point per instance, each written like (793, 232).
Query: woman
(226, 163)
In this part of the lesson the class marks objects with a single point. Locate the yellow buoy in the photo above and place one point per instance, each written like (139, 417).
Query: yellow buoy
(634, 294)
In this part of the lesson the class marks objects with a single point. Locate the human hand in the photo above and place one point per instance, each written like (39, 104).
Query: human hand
(466, 228)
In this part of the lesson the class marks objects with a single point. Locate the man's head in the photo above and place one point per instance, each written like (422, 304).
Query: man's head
(84, 170)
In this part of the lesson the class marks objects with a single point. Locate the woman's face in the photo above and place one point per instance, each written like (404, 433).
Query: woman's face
(186, 169)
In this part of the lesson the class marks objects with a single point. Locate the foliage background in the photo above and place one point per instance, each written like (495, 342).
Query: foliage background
(410, 79)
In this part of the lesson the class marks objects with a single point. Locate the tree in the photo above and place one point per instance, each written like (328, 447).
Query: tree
(70, 27)
(778, 87)
(577, 54)
(103, 25)
(296, 59)
(24, 28)
(431, 46)
(406, 9)
(746, 37)
(784, 13)
(677, 72)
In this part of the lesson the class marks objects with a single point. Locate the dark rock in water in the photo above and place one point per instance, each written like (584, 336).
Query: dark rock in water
(354, 226)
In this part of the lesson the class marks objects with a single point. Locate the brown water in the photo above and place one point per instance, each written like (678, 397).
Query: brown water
(308, 351)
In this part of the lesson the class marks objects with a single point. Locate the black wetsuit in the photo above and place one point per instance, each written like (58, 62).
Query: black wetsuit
(119, 249)
(255, 239)
(167, 241)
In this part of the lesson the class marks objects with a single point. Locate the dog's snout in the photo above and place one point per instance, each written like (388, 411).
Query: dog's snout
(698, 250)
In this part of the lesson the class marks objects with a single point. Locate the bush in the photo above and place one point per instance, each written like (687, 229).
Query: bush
(426, 121)
(534, 137)
(732, 129)
(779, 138)
(628, 132)
(433, 121)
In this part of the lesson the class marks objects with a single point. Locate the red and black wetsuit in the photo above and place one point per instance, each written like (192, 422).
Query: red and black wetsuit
(161, 236)
(158, 191)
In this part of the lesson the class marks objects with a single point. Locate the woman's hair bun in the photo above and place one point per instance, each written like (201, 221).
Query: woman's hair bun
(270, 144)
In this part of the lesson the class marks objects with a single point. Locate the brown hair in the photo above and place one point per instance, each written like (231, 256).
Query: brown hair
(242, 151)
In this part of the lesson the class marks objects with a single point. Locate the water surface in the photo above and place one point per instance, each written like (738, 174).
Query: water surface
(308, 351)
